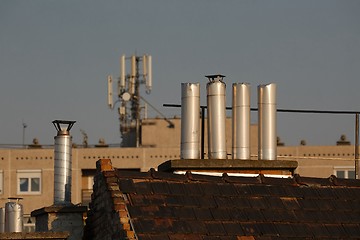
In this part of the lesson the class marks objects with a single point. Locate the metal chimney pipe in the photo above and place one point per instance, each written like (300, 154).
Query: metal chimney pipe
(267, 145)
(62, 162)
(2, 220)
(241, 121)
(190, 121)
(14, 215)
(216, 117)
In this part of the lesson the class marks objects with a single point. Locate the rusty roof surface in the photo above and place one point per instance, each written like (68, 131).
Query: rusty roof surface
(162, 205)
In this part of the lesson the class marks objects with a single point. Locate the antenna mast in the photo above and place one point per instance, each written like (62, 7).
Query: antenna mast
(129, 96)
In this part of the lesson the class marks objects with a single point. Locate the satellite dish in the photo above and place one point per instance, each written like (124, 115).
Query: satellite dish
(126, 96)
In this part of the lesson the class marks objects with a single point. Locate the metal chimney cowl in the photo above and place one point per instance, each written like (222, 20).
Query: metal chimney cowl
(62, 162)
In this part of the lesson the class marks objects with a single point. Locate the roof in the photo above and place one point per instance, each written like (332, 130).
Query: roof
(160, 205)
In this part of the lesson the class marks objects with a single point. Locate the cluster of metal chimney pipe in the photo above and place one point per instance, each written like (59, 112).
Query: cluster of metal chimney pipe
(216, 116)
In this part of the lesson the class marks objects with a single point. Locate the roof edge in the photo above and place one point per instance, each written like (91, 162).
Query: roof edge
(226, 164)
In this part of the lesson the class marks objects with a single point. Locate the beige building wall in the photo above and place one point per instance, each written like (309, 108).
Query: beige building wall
(314, 161)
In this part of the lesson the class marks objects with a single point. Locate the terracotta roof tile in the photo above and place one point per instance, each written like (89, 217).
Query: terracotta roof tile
(353, 230)
(142, 187)
(207, 201)
(191, 206)
(310, 181)
(176, 188)
(180, 236)
(250, 229)
(257, 190)
(202, 214)
(186, 213)
(220, 213)
(215, 228)
(160, 187)
(237, 215)
(258, 202)
(290, 203)
(253, 215)
(233, 228)
(193, 189)
(127, 186)
(267, 229)
(210, 189)
(197, 226)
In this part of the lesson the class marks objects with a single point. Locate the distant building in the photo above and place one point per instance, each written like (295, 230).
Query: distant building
(29, 173)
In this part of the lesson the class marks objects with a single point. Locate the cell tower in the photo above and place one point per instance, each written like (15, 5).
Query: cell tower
(128, 95)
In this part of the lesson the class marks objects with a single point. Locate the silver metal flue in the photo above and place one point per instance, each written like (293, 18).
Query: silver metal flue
(267, 145)
(14, 215)
(241, 121)
(216, 117)
(62, 162)
(190, 121)
(2, 220)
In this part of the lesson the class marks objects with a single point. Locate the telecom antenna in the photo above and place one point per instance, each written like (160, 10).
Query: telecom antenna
(128, 95)
(110, 92)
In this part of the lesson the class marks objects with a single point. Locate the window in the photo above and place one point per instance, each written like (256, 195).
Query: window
(344, 172)
(29, 182)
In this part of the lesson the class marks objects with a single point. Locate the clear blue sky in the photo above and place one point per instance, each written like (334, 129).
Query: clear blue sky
(55, 56)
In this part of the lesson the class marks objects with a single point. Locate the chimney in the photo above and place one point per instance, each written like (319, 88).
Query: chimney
(2, 220)
(190, 121)
(62, 216)
(14, 215)
(216, 117)
(267, 142)
(62, 162)
(241, 121)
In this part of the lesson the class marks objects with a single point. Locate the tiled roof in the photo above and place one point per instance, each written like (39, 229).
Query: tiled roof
(158, 205)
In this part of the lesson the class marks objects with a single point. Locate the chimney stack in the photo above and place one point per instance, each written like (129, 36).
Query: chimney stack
(62, 162)
(267, 122)
(14, 215)
(190, 121)
(241, 121)
(216, 117)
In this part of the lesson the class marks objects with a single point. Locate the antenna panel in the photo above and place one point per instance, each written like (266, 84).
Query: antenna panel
(122, 71)
(133, 75)
(133, 66)
(110, 92)
(149, 75)
(145, 66)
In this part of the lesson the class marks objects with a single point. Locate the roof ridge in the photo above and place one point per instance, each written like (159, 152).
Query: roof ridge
(296, 179)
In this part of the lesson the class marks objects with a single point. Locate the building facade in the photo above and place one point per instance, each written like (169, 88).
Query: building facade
(29, 173)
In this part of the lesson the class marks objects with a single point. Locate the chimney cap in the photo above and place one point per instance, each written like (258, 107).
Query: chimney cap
(215, 77)
(60, 125)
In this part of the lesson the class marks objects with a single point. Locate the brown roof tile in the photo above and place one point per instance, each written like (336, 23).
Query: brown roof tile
(158, 205)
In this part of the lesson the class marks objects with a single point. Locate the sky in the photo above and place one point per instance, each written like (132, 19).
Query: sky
(55, 57)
